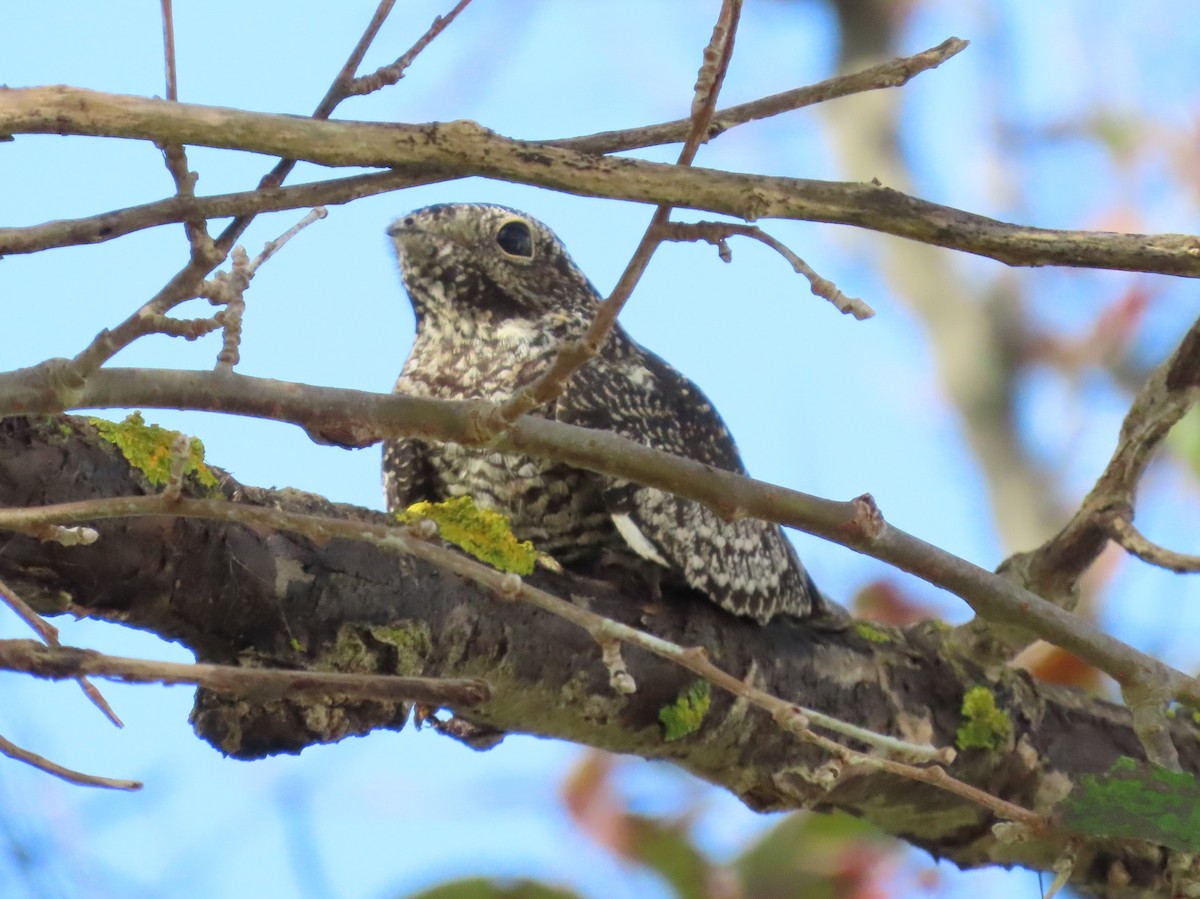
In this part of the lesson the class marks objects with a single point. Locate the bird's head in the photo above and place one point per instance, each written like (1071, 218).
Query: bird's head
(486, 263)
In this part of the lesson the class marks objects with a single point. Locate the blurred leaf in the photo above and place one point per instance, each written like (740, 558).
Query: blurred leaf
(1055, 665)
(1139, 801)
(594, 805)
(1184, 439)
(817, 857)
(883, 601)
(482, 888)
(662, 845)
(666, 847)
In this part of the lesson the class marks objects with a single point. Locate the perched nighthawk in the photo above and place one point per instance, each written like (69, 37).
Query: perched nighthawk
(495, 293)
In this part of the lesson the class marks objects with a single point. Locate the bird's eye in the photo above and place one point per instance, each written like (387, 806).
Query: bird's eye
(516, 239)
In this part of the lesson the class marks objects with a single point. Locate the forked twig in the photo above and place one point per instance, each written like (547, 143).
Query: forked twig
(717, 233)
(49, 634)
(390, 74)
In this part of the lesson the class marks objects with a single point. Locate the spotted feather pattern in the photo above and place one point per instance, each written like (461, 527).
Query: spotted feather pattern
(495, 293)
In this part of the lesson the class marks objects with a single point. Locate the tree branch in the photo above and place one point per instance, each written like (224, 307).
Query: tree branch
(355, 418)
(458, 149)
(260, 684)
(232, 592)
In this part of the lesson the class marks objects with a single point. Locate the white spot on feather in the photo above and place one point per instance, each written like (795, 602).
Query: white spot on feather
(638, 541)
(517, 331)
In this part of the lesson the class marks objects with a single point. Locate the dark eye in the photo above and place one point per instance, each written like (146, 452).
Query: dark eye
(515, 239)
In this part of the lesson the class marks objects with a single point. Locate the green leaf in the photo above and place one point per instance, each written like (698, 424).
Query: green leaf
(667, 848)
(482, 888)
(1136, 800)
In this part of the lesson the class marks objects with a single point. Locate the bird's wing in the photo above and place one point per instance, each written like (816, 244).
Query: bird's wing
(746, 566)
(407, 475)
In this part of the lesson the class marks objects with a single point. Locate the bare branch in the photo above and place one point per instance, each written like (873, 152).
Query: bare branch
(716, 233)
(49, 634)
(894, 73)
(174, 155)
(390, 74)
(1054, 568)
(271, 247)
(110, 225)
(14, 751)
(456, 149)
(1122, 530)
(574, 354)
(58, 662)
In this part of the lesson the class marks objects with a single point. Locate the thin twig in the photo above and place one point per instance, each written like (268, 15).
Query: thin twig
(716, 233)
(207, 253)
(196, 228)
(1123, 531)
(390, 74)
(1064, 867)
(265, 684)
(49, 634)
(893, 73)
(574, 354)
(271, 247)
(15, 752)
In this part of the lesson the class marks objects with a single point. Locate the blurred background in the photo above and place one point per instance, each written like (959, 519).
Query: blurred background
(977, 407)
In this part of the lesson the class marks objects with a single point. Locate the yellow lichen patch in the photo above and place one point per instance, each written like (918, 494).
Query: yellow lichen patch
(485, 534)
(148, 449)
(984, 726)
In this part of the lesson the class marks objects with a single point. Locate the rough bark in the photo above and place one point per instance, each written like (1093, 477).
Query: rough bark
(235, 594)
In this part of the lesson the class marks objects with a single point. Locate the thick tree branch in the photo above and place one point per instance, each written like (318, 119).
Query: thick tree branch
(458, 149)
(249, 595)
(355, 418)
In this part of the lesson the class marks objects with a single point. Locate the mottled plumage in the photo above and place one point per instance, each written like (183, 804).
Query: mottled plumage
(494, 293)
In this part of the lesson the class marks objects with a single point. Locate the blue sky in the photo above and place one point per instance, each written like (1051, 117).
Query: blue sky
(816, 400)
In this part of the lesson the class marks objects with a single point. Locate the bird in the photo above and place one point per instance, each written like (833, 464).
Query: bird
(495, 294)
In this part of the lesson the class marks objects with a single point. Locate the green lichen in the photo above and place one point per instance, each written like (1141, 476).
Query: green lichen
(872, 633)
(349, 653)
(148, 449)
(685, 715)
(984, 726)
(1135, 800)
(485, 534)
(412, 642)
